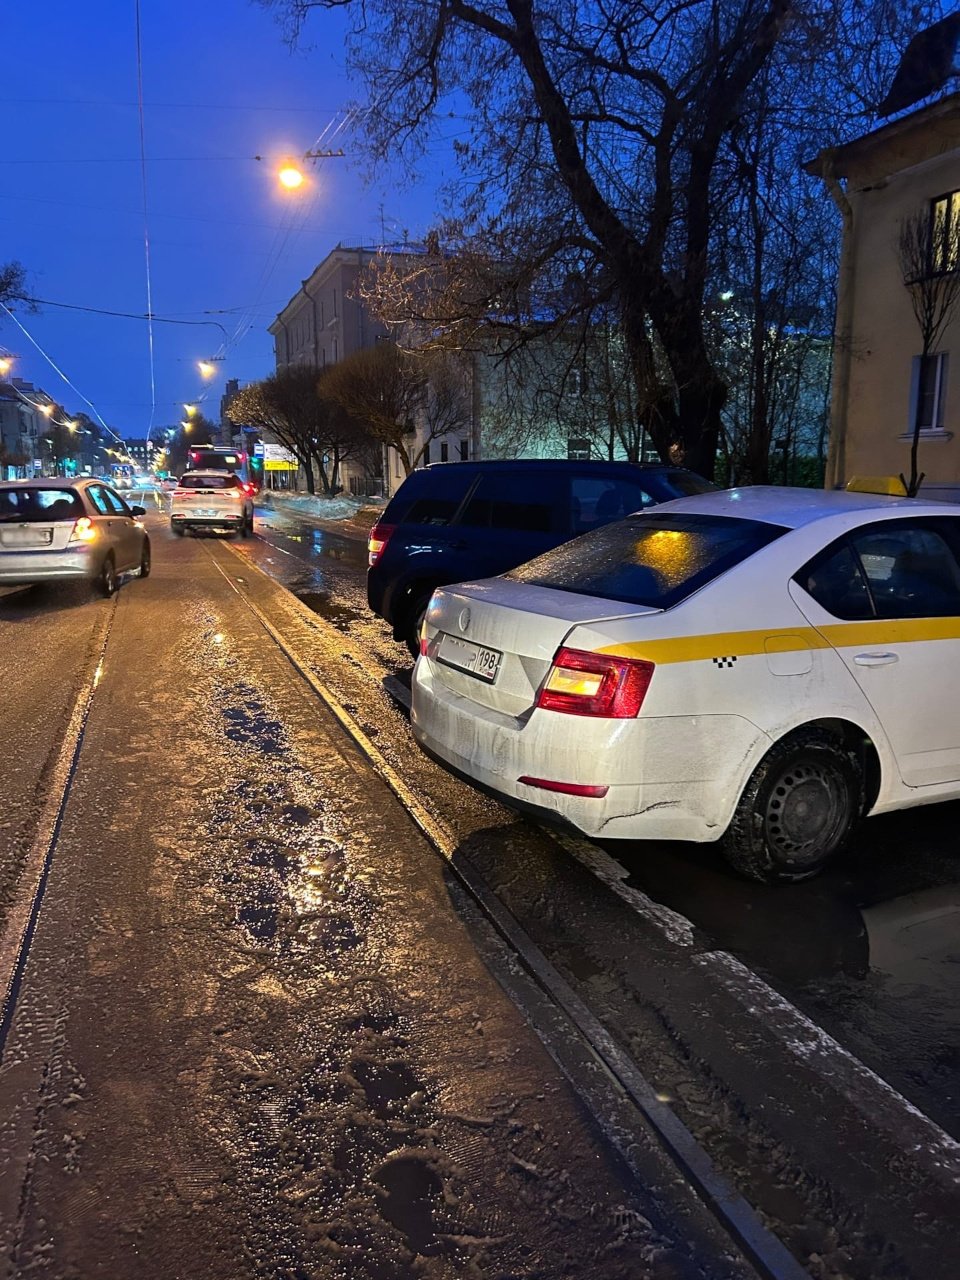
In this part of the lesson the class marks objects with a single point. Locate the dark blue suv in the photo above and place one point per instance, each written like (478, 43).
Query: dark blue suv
(459, 521)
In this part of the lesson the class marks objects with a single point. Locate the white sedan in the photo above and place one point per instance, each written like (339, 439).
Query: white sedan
(761, 667)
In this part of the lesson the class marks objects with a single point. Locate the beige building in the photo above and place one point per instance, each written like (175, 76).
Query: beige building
(323, 323)
(909, 166)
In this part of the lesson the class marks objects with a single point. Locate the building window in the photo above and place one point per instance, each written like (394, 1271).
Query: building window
(336, 351)
(426, 454)
(929, 391)
(945, 232)
(578, 450)
(334, 316)
(444, 452)
(463, 451)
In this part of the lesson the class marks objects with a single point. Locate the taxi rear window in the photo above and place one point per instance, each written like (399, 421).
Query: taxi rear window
(649, 559)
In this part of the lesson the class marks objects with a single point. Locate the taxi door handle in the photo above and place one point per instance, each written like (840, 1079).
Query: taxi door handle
(875, 659)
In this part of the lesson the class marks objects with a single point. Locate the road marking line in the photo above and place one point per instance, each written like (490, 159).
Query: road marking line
(23, 915)
(884, 1106)
(764, 1250)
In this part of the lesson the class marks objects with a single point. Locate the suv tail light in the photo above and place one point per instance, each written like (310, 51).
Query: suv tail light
(596, 684)
(83, 530)
(379, 537)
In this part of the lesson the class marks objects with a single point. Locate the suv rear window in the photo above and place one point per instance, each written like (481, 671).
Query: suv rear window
(38, 506)
(429, 497)
(649, 559)
(196, 480)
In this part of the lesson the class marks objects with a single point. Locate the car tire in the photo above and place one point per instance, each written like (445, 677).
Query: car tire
(797, 811)
(177, 530)
(245, 527)
(415, 615)
(145, 559)
(107, 580)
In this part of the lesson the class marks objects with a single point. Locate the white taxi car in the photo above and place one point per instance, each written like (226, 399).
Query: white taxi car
(758, 666)
(211, 500)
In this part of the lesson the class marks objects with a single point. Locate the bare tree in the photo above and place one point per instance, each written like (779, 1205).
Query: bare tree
(290, 407)
(597, 143)
(390, 392)
(928, 251)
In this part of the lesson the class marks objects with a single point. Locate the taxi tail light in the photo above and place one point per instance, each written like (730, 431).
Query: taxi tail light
(83, 530)
(596, 684)
(379, 537)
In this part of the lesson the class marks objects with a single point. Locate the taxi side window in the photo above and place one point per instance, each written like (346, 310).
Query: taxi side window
(835, 580)
(911, 569)
(98, 497)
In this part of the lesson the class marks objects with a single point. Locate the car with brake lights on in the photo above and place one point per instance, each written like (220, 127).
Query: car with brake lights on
(56, 530)
(760, 667)
(454, 521)
(217, 500)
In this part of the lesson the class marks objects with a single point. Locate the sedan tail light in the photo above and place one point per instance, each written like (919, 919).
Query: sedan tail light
(83, 530)
(379, 537)
(596, 684)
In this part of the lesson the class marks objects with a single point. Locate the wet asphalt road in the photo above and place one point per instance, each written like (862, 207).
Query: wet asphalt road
(870, 950)
(257, 1032)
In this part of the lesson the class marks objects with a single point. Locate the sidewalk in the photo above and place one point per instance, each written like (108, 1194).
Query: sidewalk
(351, 517)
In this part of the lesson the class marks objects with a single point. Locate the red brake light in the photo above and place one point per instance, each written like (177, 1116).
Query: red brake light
(379, 537)
(567, 788)
(596, 684)
(180, 493)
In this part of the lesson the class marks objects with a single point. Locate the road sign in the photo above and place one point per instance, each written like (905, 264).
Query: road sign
(258, 450)
(277, 458)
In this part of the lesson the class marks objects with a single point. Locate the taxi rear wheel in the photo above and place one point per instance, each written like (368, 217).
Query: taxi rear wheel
(797, 811)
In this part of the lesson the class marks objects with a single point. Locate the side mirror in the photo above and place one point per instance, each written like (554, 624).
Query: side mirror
(138, 511)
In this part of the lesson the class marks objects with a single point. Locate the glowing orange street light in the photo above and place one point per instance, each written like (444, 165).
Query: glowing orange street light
(291, 176)
(205, 368)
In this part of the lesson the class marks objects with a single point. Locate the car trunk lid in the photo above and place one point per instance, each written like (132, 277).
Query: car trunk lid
(523, 626)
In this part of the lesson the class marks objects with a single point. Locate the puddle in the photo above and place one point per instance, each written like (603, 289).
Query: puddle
(338, 615)
(260, 922)
(385, 1083)
(411, 1192)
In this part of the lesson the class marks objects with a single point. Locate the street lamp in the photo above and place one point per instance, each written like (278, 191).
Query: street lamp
(206, 368)
(187, 426)
(191, 409)
(46, 410)
(5, 362)
(290, 175)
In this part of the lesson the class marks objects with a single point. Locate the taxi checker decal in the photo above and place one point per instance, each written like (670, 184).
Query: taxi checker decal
(724, 647)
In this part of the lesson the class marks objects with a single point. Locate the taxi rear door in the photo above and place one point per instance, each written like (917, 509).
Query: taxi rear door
(887, 598)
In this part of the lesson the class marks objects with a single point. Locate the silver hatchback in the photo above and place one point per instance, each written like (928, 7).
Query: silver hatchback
(60, 530)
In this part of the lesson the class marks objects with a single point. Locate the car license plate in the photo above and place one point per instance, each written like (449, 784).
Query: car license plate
(472, 658)
(25, 536)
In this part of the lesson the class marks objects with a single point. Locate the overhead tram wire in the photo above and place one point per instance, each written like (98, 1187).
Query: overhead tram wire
(336, 126)
(146, 227)
(30, 338)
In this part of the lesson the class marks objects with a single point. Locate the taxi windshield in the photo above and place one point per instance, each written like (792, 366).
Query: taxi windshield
(649, 559)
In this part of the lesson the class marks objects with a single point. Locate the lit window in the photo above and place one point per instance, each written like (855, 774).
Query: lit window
(945, 232)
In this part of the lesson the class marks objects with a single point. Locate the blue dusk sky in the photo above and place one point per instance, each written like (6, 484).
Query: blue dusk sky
(220, 87)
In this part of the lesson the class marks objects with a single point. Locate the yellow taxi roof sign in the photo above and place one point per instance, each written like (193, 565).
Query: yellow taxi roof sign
(891, 485)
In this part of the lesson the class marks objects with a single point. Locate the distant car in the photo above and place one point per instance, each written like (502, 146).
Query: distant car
(211, 500)
(59, 530)
(459, 520)
(757, 666)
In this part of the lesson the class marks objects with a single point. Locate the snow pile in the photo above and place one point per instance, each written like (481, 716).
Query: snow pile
(342, 507)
